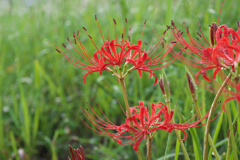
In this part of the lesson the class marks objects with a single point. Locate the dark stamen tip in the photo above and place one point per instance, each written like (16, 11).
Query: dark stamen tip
(145, 21)
(84, 28)
(96, 17)
(114, 21)
(75, 41)
(78, 33)
(67, 38)
(145, 43)
(174, 42)
(126, 20)
(164, 32)
(199, 34)
(58, 50)
(89, 36)
(172, 23)
(74, 34)
(122, 35)
(64, 45)
(129, 29)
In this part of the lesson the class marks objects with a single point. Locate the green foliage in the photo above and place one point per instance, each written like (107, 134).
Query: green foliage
(40, 92)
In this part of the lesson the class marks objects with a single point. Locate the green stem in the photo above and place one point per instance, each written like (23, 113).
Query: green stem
(228, 149)
(149, 147)
(205, 151)
(231, 137)
(178, 135)
(217, 156)
(122, 82)
(229, 141)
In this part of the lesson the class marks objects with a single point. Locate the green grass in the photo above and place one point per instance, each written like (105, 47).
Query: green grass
(41, 92)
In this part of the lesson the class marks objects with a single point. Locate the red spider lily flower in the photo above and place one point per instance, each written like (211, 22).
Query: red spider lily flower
(200, 51)
(235, 96)
(143, 122)
(78, 152)
(117, 54)
(221, 52)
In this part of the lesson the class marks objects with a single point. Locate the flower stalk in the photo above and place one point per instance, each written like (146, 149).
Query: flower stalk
(193, 91)
(149, 147)
(124, 91)
(165, 87)
(231, 137)
(179, 137)
(205, 152)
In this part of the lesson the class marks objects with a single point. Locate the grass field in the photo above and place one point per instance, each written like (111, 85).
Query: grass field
(40, 92)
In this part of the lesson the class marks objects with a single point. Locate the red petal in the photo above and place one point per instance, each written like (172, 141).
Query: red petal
(140, 73)
(215, 72)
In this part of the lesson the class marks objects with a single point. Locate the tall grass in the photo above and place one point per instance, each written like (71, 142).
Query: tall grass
(41, 93)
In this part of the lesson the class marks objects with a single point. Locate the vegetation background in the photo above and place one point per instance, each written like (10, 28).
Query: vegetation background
(40, 92)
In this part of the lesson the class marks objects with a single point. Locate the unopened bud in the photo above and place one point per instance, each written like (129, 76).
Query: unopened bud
(191, 84)
(161, 86)
(213, 30)
(166, 86)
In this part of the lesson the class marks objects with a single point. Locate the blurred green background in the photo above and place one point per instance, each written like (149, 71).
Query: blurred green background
(40, 92)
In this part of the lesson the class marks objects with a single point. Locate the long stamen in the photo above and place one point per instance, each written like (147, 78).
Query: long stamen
(202, 34)
(99, 28)
(115, 33)
(220, 13)
(91, 38)
(143, 29)
(145, 46)
(107, 34)
(124, 28)
(130, 34)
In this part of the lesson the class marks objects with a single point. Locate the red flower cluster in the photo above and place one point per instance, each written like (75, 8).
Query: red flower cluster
(143, 124)
(112, 54)
(222, 52)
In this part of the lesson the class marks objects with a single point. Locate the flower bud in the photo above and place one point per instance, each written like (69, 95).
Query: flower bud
(191, 84)
(166, 86)
(161, 86)
(213, 29)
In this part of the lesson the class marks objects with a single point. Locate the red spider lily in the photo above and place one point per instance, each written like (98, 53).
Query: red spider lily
(221, 52)
(78, 152)
(235, 96)
(113, 53)
(201, 48)
(143, 122)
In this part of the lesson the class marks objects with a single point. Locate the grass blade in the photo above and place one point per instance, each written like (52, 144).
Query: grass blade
(14, 145)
